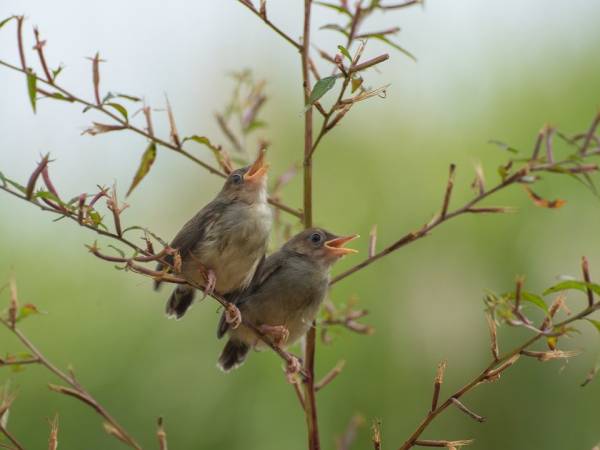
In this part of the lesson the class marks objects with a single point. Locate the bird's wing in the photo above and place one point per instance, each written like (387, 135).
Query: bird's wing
(266, 268)
(194, 231)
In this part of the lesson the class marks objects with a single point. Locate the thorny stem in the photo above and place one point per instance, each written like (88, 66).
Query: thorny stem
(485, 375)
(71, 381)
(166, 144)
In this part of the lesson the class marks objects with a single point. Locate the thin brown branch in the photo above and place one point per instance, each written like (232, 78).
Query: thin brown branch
(491, 372)
(467, 411)
(330, 376)
(11, 438)
(164, 143)
(75, 389)
(39, 48)
(516, 177)
(161, 435)
(437, 384)
(449, 188)
(263, 17)
(585, 268)
(590, 134)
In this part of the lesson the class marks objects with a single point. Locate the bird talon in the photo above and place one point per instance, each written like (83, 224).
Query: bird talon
(279, 333)
(211, 282)
(233, 316)
(293, 369)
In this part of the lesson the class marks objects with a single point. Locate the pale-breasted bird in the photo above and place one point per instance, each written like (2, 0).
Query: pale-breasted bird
(222, 245)
(285, 294)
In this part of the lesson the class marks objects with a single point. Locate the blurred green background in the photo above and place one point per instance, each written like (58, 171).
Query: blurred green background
(486, 70)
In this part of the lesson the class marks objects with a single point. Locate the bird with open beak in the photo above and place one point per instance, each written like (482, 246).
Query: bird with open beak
(222, 245)
(285, 295)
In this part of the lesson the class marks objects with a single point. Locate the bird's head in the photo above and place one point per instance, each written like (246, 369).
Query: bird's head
(248, 184)
(321, 245)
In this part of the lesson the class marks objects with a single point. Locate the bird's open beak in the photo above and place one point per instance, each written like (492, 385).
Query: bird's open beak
(336, 246)
(258, 169)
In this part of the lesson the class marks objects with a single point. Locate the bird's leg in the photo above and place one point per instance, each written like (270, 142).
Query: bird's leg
(211, 281)
(279, 333)
(233, 316)
(292, 369)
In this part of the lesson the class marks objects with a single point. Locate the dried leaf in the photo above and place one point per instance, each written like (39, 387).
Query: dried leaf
(147, 160)
(543, 203)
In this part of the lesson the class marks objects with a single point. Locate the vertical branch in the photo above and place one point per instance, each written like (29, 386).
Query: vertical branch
(309, 352)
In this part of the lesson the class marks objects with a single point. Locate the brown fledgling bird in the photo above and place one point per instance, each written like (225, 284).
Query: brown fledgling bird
(285, 294)
(222, 245)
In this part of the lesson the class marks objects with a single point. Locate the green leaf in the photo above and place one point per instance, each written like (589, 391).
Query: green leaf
(119, 108)
(345, 52)
(381, 37)
(199, 139)
(573, 284)
(147, 160)
(16, 185)
(26, 311)
(97, 219)
(64, 98)
(5, 21)
(335, 7)
(56, 72)
(32, 87)
(129, 97)
(529, 297)
(321, 88)
(335, 27)
(503, 146)
(596, 323)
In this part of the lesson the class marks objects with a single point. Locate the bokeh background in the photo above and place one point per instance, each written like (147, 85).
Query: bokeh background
(486, 70)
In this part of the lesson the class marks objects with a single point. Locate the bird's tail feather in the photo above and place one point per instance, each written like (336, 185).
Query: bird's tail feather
(180, 300)
(233, 355)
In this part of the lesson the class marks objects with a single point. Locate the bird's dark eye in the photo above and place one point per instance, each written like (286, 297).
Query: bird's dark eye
(315, 238)
(236, 178)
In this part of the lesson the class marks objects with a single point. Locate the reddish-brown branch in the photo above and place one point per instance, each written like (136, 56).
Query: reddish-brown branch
(76, 389)
(164, 143)
(490, 373)
(39, 47)
(532, 166)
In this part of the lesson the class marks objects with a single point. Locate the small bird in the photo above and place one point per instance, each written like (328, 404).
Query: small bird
(222, 245)
(285, 294)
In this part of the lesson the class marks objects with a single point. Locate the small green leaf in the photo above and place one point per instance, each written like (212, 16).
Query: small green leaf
(321, 88)
(503, 146)
(337, 8)
(64, 98)
(573, 284)
(529, 297)
(16, 185)
(199, 139)
(26, 311)
(596, 323)
(56, 72)
(129, 97)
(118, 250)
(5, 21)
(381, 37)
(32, 87)
(119, 108)
(335, 27)
(345, 52)
(147, 160)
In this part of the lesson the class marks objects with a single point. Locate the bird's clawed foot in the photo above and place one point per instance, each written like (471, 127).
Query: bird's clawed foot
(293, 369)
(211, 282)
(233, 316)
(278, 333)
